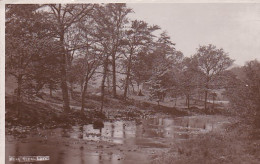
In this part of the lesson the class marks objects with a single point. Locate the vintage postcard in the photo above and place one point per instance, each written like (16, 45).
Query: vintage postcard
(123, 82)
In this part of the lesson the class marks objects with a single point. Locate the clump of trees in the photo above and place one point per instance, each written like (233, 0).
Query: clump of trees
(202, 72)
(211, 64)
(57, 46)
(71, 43)
(31, 54)
(243, 89)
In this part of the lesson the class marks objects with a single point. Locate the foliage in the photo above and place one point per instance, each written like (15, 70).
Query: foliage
(60, 43)
(163, 59)
(211, 63)
(138, 37)
(30, 55)
(243, 91)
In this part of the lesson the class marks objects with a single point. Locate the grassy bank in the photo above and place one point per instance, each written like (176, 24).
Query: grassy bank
(47, 112)
(237, 142)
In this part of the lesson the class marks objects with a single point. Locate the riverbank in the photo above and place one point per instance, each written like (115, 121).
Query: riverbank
(134, 131)
(119, 142)
(236, 142)
(46, 112)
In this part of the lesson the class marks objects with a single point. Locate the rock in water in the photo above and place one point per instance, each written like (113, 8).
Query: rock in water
(98, 124)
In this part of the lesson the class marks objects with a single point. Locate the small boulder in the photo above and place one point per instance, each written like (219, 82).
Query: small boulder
(98, 124)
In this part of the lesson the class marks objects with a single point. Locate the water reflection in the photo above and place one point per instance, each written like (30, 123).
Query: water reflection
(122, 132)
(69, 155)
(151, 132)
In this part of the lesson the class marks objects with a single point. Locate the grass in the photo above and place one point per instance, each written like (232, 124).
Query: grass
(235, 143)
(232, 144)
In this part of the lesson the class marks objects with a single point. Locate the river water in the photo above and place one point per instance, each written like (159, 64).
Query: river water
(117, 142)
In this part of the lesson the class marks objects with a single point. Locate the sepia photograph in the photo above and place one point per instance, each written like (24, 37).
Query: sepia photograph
(131, 83)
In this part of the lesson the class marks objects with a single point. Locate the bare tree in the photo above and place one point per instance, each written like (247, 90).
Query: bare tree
(91, 57)
(63, 16)
(118, 19)
(111, 19)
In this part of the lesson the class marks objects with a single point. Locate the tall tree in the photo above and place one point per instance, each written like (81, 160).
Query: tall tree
(160, 82)
(163, 61)
(118, 19)
(28, 42)
(113, 18)
(101, 36)
(142, 68)
(23, 38)
(89, 58)
(45, 71)
(137, 37)
(110, 20)
(211, 62)
(186, 78)
(63, 16)
(73, 43)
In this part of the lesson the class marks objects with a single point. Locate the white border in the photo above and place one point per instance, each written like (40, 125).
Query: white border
(2, 82)
(125, 1)
(2, 41)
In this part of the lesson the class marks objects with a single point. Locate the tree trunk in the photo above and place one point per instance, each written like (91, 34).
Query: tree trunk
(50, 87)
(81, 87)
(19, 88)
(71, 90)
(83, 94)
(126, 85)
(140, 93)
(38, 88)
(103, 82)
(19, 94)
(200, 96)
(114, 75)
(213, 101)
(206, 99)
(133, 88)
(108, 83)
(206, 91)
(257, 118)
(64, 87)
(128, 75)
(188, 101)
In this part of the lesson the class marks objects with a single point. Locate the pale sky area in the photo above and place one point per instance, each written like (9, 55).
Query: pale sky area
(233, 27)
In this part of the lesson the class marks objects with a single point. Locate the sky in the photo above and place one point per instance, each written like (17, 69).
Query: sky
(233, 27)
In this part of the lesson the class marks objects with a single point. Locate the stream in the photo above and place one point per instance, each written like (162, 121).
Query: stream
(118, 142)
